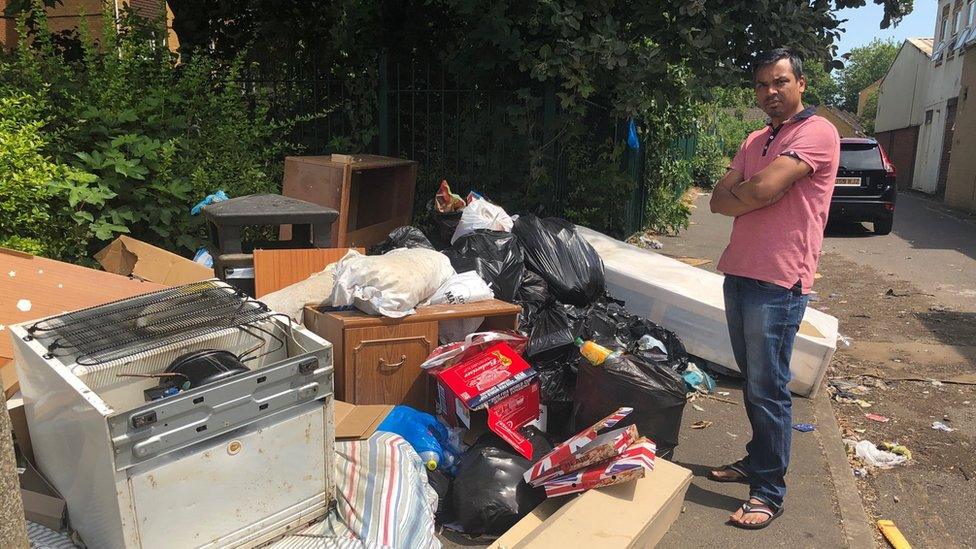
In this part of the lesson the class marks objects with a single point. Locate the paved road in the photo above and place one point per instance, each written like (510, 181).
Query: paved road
(930, 245)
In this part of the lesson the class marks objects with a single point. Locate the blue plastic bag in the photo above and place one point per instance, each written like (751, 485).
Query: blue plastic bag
(632, 140)
(218, 196)
(429, 437)
(697, 379)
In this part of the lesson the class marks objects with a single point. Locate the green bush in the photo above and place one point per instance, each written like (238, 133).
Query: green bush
(30, 203)
(709, 163)
(138, 137)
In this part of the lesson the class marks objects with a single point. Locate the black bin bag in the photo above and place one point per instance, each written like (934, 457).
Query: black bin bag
(489, 495)
(564, 259)
(402, 237)
(550, 332)
(495, 255)
(655, 392)
(443, 225)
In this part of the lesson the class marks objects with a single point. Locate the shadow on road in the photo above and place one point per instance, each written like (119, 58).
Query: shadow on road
(950, 327)
(704, 496)
(847, 229)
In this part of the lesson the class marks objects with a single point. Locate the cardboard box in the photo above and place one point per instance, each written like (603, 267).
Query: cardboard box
(42, 503)
(35, 287)
(498, 381)
(624, 516)
(358, 422)
(629, 465)
(128, 256)
(574, 452)
(18, 420)
(603, 447)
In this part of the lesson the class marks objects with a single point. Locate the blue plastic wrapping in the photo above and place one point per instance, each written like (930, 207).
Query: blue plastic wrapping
(428, 436)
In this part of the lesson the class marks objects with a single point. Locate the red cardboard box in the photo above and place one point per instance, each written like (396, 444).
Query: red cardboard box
(497, 380)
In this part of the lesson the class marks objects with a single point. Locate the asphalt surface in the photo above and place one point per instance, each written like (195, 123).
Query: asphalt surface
(930, 246)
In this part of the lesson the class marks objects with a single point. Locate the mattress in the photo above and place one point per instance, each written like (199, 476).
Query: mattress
(688, 301)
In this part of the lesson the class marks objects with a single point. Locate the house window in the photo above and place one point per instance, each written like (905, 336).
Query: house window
(971, 18)
(928, 116)
(958, 23)
(945, 29)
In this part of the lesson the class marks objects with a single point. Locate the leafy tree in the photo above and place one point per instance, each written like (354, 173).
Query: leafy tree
(867, 117)
(822, 89)
(864, 66)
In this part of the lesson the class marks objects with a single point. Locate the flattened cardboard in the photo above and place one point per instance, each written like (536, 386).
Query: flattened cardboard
(128, 256)
(18, 420)
(42, 503)
(354, 422)
(624, 516)
(8, 375)
(48, 287)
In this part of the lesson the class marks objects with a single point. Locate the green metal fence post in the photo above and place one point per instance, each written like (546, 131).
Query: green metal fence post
(384, 108)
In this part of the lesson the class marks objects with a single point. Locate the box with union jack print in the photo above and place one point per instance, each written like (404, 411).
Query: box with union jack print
(632, 464)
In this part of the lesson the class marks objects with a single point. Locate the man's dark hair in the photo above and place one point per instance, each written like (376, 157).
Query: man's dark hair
(769, 57)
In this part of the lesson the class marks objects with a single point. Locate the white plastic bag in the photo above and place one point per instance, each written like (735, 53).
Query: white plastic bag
(871, 455)
(391, 284)
(481, 214)
(314, 290)
(466, 287)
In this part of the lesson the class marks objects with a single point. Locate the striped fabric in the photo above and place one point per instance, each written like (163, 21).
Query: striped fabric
(42, 537)
(383, 500)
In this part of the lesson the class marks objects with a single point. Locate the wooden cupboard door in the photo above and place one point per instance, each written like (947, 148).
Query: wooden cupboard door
(384, 362)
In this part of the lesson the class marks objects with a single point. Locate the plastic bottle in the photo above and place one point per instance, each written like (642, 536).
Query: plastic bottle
(594, 352)
(431, 459)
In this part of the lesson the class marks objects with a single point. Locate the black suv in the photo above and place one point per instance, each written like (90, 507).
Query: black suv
(865, 187)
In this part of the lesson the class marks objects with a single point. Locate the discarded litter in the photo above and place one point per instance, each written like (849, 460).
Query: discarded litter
(428, 437)
(697, 379)
(893, 535)
(876, 457)
(697, 407)
(939, 426)
(592, 459)
(701, 424)
(723, 393)
(804, 427)
(878, 417)
(24, 305)
(843, 340)
(897, 449)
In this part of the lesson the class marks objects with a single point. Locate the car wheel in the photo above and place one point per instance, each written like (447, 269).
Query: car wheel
(883, 225)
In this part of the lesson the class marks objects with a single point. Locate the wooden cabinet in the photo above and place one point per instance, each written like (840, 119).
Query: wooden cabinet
(373, 194)
(384, 363)
(377, 359)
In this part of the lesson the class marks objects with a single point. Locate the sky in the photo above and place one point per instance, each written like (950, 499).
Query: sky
(862, 26)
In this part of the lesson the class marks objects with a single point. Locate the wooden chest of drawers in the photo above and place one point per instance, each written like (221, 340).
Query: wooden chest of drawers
(377, 359)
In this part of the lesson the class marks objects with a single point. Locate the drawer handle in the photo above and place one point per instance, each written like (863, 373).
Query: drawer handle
(394, 366)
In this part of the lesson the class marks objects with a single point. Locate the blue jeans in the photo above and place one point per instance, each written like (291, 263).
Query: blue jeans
(763, 320)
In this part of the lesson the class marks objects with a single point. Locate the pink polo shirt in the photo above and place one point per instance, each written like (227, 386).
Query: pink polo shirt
(781, 243)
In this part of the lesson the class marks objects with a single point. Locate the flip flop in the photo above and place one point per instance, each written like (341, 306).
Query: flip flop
(736, 467)
(749, 507)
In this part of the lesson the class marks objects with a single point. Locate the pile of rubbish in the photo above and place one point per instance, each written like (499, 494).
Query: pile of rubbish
(580, 364)
(584, 394)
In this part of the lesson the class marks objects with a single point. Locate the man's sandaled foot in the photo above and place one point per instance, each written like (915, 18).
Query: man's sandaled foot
(754, 515)
(733, 472)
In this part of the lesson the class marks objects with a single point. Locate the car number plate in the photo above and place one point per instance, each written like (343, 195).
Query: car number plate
(848, 182)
